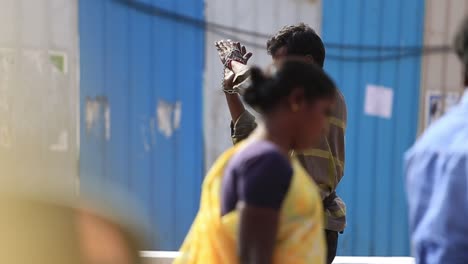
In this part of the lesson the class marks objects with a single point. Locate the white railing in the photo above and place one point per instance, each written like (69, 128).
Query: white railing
(166, 257)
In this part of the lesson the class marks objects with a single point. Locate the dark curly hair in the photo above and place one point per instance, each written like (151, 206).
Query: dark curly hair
(299, 40)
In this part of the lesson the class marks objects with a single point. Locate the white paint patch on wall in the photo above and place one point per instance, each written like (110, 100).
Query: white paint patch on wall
(265, 16)
(37, 59)
(146, 138)
(164, 112)
(168, 117)
(62, 143)
(107, 122)
(165, 121)
(98, 117)
(91, 114)
(177, 115)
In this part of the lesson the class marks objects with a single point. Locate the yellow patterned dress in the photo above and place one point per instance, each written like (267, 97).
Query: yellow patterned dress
(300, 240)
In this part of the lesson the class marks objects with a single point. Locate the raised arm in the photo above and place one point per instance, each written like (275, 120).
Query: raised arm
(236, 73)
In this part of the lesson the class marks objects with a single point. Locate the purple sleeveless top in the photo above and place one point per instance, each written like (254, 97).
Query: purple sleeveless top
(259, 175)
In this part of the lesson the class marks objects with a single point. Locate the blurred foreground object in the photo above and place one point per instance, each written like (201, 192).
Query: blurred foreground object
(41, 229)
(437, 181)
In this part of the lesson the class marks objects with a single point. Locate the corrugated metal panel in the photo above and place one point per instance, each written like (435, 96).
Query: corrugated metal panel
(38, 91)
(265, 16)
(141, 102)
(373, 182)
(441, 72)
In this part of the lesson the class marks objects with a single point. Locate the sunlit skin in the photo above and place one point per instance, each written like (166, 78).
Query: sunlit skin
(101, 241)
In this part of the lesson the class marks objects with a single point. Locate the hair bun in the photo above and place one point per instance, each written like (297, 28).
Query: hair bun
(254, 94)
(261, 94)
(257, 77)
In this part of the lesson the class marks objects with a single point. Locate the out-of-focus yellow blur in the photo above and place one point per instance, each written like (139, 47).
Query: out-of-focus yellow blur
(52, 229)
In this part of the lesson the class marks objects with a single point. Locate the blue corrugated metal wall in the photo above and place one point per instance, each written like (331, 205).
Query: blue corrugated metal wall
(131, 64)
(373, 182)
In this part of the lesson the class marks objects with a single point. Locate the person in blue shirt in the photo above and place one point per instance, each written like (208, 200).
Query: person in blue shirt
(436, 170)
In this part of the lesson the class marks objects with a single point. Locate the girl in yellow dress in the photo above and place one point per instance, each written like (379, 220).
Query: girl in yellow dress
(258, 204)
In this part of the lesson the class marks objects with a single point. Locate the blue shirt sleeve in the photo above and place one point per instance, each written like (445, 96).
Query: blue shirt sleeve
(437, 188)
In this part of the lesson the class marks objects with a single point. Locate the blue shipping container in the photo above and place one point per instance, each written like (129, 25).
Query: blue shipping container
(141, 107)
(373, 183)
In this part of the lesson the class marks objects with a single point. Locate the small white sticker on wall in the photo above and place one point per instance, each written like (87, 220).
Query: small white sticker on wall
(378, 101)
